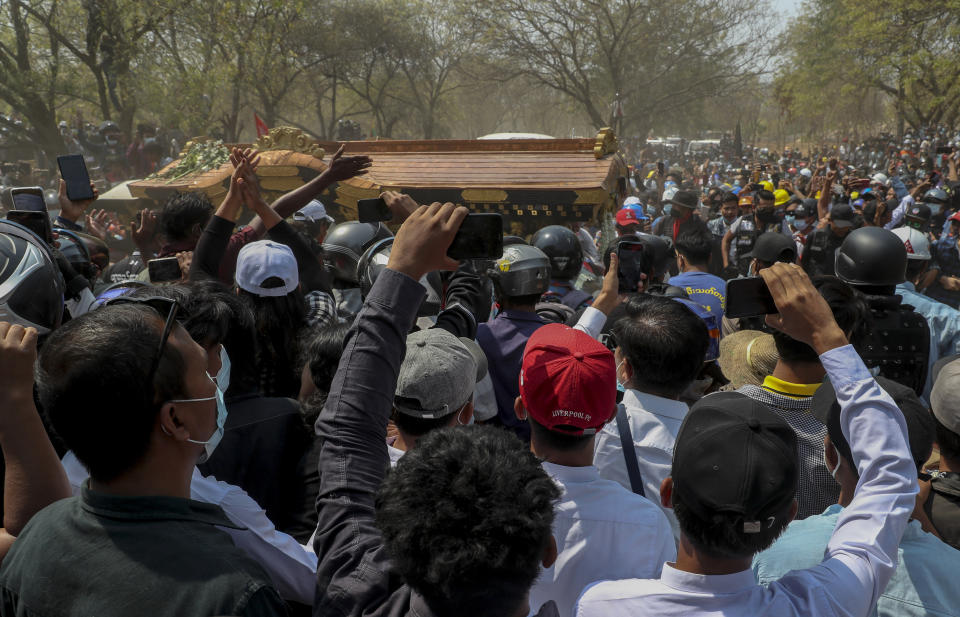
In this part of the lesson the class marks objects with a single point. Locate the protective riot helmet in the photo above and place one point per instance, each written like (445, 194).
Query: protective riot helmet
(938, 196)
(346, 243)
(523, 270)
(873, 257)
(31, 286)
(562, 248)
(74, 249)
(374, 261)
(915, 241)
(510, 240)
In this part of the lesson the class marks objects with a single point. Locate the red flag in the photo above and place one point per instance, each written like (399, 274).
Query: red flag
(262, 128)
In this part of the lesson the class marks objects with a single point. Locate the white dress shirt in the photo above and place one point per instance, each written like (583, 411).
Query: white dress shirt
(860, 557)
(603, 532)
(654, 424)
(292, 567)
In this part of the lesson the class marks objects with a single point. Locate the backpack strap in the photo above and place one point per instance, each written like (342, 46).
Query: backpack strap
(629, 451)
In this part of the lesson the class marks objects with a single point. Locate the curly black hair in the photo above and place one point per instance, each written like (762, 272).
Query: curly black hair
(466, 517)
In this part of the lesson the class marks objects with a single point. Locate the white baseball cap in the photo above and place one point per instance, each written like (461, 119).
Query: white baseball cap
(805, 172)
(879, 178)
(313, 212)
(259, 261)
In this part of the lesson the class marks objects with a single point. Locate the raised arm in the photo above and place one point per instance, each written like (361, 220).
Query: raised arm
(34, 476)
(352, 425)
(862, 553)
(340, 168)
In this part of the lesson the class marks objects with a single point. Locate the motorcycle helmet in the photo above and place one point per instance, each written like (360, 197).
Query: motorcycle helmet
(523, 270)
(562, 248)
(346, 243)
(31, 286)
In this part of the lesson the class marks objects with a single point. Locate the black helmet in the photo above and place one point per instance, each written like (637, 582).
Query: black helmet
(562, 247)
(31, 287)
(374, 261)
(872, 256)
(658, 247)
(346, 243)
(523, 270)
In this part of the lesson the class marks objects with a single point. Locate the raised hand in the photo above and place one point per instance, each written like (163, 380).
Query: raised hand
(422, 241)
(98, 224)
(346, 167)
(144, 231)
(74, 210)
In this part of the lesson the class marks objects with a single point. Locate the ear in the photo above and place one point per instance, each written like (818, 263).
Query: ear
(666, 493)
(830, 455)
(170, 424)
(466, 413)
(519, 409)
(794, 508)
(550, 553)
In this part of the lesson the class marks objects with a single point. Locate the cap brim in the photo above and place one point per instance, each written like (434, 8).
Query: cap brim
(479, 357)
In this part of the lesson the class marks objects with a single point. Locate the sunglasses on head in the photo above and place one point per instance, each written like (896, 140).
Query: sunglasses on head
(167, 308)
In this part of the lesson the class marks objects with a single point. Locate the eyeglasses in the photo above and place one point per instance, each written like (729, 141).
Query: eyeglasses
(163, 306)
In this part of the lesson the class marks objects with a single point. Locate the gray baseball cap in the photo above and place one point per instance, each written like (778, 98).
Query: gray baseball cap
(943, 397)
(438, 374)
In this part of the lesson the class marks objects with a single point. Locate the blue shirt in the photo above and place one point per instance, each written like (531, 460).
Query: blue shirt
(924, 582)
(944, 322)
(703, 288)
(947, 259)
(503, 340)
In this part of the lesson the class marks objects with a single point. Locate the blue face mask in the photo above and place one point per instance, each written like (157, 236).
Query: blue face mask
(223, 375)
(667, 209)
(789, 218)
(801, 224)
(210, 444)
(620, 386)
(651, 210)
(934, 209)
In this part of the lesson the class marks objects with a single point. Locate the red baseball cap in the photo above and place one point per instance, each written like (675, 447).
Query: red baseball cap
(627, 216)
(568, 380)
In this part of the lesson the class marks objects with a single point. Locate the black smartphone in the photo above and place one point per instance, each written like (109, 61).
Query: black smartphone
(480, 237)
(748, 297)
(164, 269)
(37, 222)
(373, 210)
(28, 198)
(944, 149)
(631, 263)
(73, 169)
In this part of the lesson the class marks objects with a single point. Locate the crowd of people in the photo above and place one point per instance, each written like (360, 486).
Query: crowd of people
(291, 414)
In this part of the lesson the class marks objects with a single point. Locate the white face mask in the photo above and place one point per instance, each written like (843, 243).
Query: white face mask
(210, 444)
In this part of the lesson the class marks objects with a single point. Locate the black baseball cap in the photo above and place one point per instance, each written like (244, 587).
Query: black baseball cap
(842, 215)
(734, 455)
(920, 424)
(773, 246)
(805, 210)
(919, 211)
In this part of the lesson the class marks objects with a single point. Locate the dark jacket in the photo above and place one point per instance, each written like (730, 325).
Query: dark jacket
(943, 507)
(355, 576)
(112, 556)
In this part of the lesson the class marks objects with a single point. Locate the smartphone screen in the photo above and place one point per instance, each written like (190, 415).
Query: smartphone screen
(29, 199)
(632, 262)
(164, 269)
(748, 297)
(373, 210)
(37, 222)
(480, 237)
(73, 169)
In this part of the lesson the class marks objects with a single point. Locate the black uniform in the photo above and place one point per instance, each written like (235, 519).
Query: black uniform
(898, 342)
(820, 252)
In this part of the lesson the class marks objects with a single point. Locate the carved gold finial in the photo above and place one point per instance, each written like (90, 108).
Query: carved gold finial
(606, 143)
(289, 138)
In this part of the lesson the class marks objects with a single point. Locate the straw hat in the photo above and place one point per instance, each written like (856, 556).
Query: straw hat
(747, 357)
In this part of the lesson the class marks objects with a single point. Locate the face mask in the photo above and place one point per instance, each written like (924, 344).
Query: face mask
(223, 375)
(651, 211)
(790, 219)
(801, 224)
(620, 386)
(934, 209)
(667, 209)
(210, 444)
(766, 216)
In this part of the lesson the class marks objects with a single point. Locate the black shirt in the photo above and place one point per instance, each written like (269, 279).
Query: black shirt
(943, 507)
(113, 556)
(263, 442)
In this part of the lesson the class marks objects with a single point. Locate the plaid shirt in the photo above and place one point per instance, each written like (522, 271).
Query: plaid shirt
(321, 309)
(816, 489)
(947, 259)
